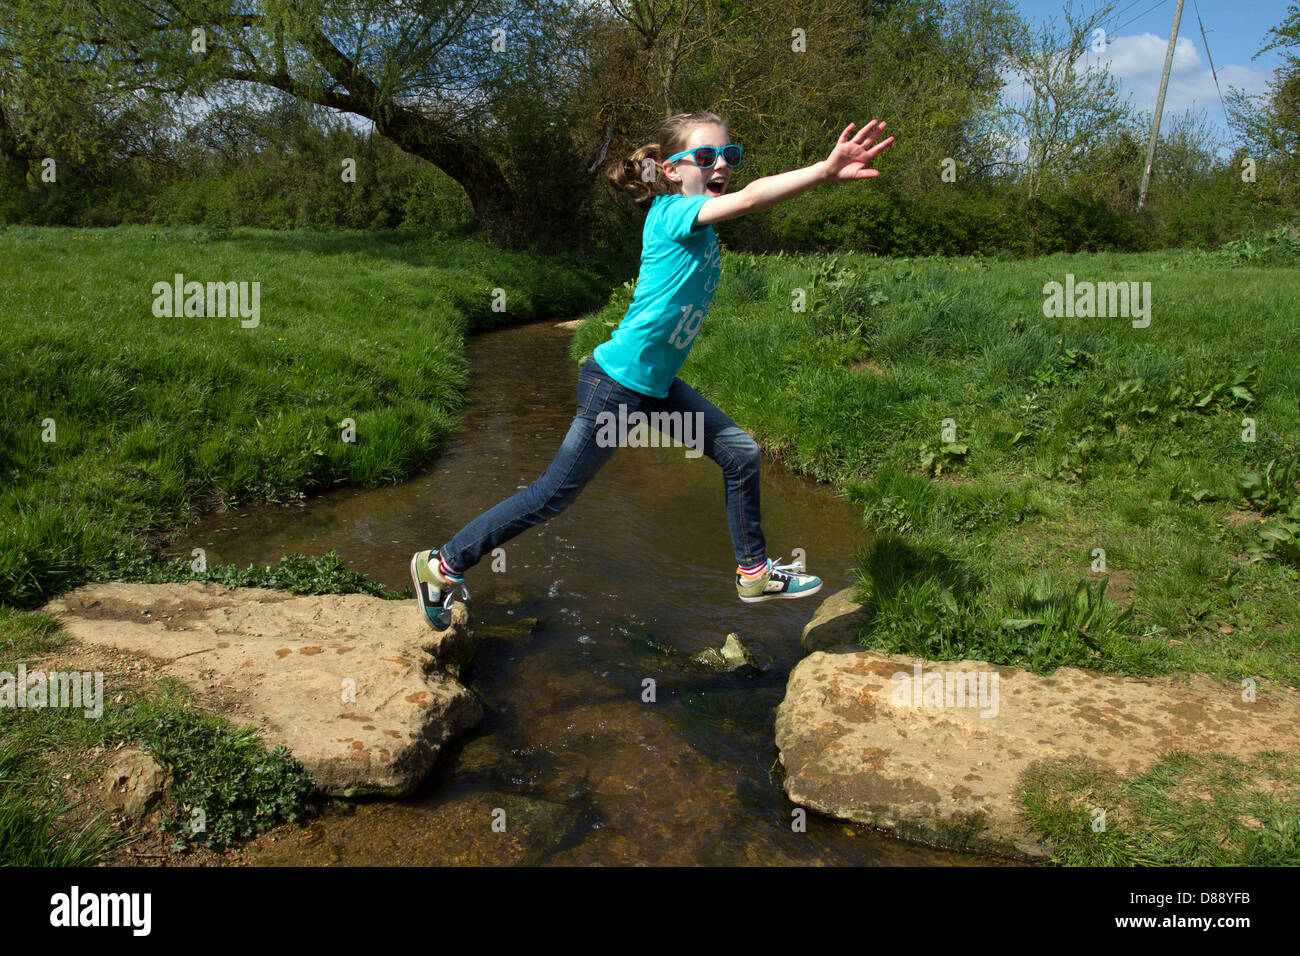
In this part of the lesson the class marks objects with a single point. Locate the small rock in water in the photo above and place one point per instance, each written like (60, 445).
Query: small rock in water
(733, 657)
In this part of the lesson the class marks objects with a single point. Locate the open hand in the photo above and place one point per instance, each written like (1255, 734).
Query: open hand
(851, 158)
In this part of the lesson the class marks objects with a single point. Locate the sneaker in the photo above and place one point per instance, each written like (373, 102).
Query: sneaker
(778, 581)
(433, 590)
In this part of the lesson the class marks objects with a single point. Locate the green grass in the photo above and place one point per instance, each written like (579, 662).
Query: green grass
(1186, 810)
(152, 418)
(39, 825)
(1071, 434)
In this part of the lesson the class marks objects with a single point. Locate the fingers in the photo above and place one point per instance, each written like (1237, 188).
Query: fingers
(879, 146)
(866, 133)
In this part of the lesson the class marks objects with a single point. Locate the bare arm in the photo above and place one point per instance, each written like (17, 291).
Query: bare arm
(761, 194)
(849, 160)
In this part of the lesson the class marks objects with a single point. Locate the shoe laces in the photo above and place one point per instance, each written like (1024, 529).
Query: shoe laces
(786, 570)
(451, 593)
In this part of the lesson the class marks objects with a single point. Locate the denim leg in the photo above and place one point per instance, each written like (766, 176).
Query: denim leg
(738, 455)
(579, 458)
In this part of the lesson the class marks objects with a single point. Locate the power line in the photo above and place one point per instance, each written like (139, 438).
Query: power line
(1141, 15)
(1211, 59)
(1119, 13)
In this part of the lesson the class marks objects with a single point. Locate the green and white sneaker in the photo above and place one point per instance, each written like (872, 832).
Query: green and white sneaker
(433, 590)
(778, 581)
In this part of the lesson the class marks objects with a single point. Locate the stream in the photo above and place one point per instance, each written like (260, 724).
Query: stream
(628, 583)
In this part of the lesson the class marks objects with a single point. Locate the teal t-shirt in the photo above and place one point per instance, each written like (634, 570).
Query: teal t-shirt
(680, 268)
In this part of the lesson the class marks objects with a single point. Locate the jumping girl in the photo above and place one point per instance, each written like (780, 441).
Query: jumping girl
(636, 369)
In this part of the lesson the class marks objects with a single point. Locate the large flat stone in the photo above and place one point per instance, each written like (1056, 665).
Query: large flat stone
(288, 665)
(854, 747)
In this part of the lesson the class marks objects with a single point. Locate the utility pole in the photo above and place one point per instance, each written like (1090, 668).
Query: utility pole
(1160, 106)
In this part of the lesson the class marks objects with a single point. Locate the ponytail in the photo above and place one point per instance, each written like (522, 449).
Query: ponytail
(642, 173)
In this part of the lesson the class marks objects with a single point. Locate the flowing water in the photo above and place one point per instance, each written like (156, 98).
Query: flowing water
(627, 584)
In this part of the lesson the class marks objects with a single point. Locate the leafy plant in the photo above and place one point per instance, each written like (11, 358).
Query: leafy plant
(297, 573)
(226, 773)
(1276, 247)
(1129, 401)
(1055, 372)
(1084, 610)
(1073, 463)
(843, 299)
(1272, 491)
(935, 458)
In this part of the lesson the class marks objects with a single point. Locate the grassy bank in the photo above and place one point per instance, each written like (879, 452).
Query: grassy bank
(119, 423)
(51, 759)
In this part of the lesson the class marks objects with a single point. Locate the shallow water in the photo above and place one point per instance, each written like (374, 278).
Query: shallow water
(626, 584)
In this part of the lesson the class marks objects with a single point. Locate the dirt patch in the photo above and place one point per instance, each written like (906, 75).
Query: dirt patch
(867, 365)
(1238, 517)
(1120, 589)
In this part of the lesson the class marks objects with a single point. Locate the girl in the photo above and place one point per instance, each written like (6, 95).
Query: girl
(686, 172)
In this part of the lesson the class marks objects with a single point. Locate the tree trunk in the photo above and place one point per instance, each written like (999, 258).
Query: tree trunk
(495, 204)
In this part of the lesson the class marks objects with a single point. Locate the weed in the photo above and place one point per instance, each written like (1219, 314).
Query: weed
(1275, 247)
(240, 787)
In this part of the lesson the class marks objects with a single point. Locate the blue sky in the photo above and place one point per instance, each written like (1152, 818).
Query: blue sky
(1138, 34)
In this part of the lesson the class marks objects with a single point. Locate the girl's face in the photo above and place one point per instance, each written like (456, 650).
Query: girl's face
(693, 180)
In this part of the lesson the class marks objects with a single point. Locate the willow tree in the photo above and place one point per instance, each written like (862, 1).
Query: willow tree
(479, 88)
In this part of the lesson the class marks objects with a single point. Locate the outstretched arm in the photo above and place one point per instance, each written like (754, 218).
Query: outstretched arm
(849, 160)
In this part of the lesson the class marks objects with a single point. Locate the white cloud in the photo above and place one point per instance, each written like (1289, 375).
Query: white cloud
(1137, 61)
(1136, 56)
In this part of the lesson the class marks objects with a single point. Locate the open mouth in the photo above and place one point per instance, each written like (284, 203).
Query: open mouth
(715, 187)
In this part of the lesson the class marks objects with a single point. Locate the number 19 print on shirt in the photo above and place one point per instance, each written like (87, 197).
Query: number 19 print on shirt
(681, 264)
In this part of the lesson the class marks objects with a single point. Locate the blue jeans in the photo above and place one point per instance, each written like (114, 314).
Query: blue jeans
(581, 456)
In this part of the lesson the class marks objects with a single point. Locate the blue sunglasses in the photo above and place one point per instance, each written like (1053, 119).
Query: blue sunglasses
(706, 156)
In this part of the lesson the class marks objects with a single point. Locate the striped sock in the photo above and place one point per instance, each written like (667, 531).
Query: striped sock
(446, 570)
(753, 572)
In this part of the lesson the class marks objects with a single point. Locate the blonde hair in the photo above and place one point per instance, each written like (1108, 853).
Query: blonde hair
(645, 179)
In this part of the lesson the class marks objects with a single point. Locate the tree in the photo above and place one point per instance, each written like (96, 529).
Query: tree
(434, 76)
(1063, 110)
(1269, 125)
